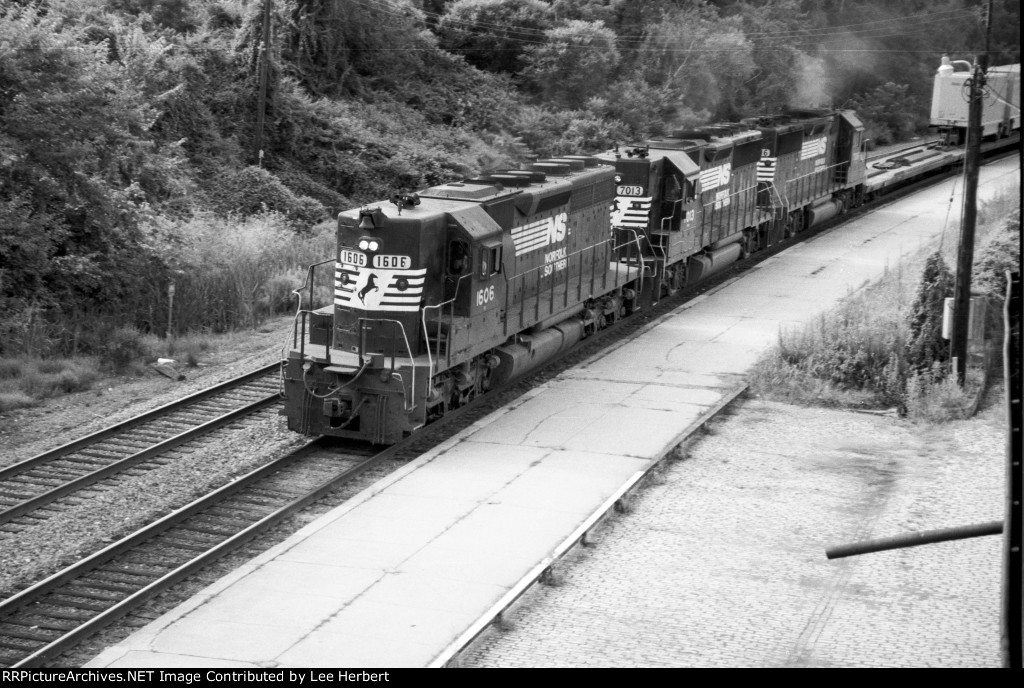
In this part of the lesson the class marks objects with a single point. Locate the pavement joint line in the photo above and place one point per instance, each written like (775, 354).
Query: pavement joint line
(448, 657)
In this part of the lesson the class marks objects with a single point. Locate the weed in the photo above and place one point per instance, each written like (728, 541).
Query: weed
(123, 346)
(51, 365)
(11, 368)
(876, 350)
(936, 397)
(10, 401)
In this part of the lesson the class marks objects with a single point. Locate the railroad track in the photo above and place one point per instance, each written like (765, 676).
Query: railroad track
(29, 488)
(56, 614)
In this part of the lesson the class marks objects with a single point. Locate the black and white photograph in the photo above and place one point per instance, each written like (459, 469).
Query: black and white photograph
(342, 338)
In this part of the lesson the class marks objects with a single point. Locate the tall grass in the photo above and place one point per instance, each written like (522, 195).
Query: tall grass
(857, 354)
(25, 380)
(851, 356)
(228, 275)
(231, 275)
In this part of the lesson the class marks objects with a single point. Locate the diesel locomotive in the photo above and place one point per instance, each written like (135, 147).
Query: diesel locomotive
(438, 296)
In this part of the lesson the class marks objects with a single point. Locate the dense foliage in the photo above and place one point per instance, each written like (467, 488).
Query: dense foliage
(127, 124)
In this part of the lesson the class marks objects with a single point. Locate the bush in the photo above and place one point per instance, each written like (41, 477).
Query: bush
(253, 190)
(935, 396)
(925, 345)
(123, 346)
(1001, 253)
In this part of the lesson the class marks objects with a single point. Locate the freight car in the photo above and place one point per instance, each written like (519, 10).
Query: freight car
(437, 297)
(1000, 115)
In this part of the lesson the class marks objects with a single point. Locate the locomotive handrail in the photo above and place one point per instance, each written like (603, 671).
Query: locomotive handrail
(298, 341)
(708, 216)
(521, 279)
(613, 248)
(426, 332)
(675, 204)
(639, 253)
(829, 184)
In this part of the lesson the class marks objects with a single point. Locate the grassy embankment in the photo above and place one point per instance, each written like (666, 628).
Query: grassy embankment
(230, 275)
(855, 356)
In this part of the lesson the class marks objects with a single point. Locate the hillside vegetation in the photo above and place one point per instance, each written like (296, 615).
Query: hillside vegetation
(882, 347)
(128, 128)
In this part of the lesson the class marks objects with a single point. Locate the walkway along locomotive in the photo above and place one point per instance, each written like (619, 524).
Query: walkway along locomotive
(439, 296)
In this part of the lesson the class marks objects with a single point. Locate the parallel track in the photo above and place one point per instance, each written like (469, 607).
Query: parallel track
(27, 486)
(56, 614)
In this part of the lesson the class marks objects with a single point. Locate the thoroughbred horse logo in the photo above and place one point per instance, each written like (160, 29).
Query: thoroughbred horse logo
(371, 285)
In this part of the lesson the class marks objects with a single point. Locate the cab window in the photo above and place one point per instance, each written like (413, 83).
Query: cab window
(458, 257)
(490, 260)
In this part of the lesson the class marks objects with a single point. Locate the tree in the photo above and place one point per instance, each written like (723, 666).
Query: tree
(494, 34)
(77, 163)
(890, 113)
(702, 56)
(925, 344)
(574, 63)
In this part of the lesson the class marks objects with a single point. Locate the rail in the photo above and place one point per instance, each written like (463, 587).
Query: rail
(114, 430)
(117, 604)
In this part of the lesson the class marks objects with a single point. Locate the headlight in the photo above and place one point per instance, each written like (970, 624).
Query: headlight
(364, 244)
(374, 246)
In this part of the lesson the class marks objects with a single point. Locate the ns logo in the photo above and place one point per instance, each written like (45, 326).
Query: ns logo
(557, 227)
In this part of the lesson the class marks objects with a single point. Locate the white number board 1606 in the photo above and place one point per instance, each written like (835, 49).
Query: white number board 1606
(353, 258)
(392, 262)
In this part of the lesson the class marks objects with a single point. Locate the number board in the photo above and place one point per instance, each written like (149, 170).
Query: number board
(629, 190)
(353, 258)
(392, 262)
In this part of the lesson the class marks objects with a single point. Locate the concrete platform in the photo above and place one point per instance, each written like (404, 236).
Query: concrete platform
(393, 577)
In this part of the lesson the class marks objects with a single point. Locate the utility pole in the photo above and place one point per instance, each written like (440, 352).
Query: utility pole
(965, 253)
(261, 99)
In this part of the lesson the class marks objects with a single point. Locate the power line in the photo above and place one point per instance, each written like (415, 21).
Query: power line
(536, 35)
